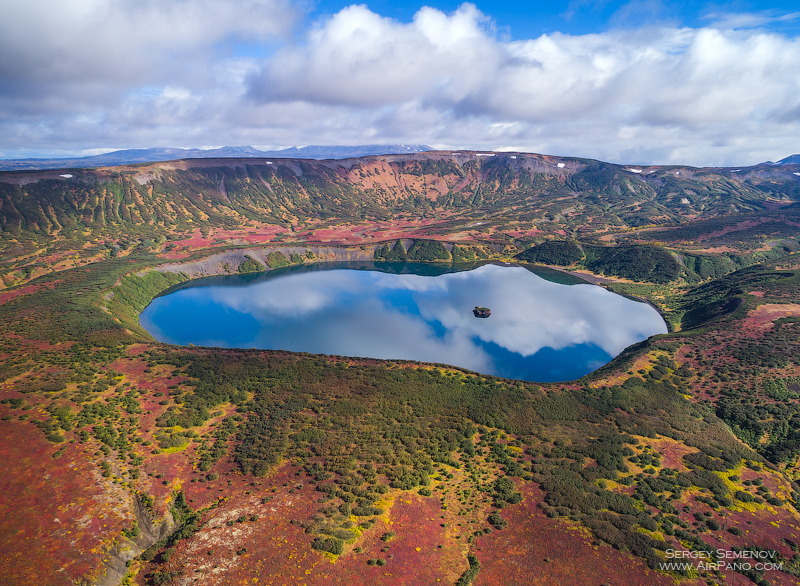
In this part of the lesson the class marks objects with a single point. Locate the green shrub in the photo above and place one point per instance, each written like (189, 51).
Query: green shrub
(277, 259)
(249, 266)
(332, 545)
(496, 521)
(364, 511)
(387, 537)
(468, 577)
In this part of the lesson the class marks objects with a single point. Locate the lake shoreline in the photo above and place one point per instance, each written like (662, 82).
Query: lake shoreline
(542, 328)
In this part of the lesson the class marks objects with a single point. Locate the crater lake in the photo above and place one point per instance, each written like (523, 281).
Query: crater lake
(544, 326)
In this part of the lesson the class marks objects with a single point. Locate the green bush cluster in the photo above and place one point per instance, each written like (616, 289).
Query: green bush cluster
(468, 577)
(553, 252)
(652, 264)
(248, 265)
(276, 260)
(420, 250)
(328, 544)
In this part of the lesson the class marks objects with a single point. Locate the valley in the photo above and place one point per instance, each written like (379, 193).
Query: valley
(129, 461)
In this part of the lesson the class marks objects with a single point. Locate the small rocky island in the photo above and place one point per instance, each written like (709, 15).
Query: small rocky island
(481, 311)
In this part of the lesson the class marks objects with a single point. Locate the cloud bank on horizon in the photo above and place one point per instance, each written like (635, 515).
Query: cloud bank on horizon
(627, 82)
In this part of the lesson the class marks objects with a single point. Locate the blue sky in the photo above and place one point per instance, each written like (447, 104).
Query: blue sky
(640, 82)
(527, 20)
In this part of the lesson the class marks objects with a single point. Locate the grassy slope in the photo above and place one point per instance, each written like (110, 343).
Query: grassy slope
(50, 223)
(278, 450)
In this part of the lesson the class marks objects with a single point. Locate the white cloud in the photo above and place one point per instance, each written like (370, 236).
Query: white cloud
(50, 40)
(65, 57)
(740, 20)
(453, 65)
(362, 59)
(448, 80)
(162, 74)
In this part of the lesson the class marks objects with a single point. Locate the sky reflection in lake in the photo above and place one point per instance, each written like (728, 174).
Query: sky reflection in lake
(539, 330)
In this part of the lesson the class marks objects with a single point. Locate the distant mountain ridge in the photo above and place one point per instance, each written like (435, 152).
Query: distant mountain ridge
(157, 154)
(790, 160)
(225, 193)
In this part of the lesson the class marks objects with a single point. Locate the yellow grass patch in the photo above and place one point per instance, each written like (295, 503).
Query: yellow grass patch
(176, 448)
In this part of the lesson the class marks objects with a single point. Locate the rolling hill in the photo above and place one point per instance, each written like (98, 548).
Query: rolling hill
(130, 461)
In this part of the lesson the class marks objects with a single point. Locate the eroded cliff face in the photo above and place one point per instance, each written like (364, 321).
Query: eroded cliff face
(229, 262)
(151, 529)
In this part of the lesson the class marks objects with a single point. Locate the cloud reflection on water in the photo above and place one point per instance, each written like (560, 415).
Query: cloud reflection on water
(413, 317)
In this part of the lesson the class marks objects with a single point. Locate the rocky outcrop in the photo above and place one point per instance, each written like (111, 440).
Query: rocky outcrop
(150, 531)
(226, 263)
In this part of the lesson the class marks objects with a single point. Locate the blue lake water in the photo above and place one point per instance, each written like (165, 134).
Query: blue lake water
(545, 325)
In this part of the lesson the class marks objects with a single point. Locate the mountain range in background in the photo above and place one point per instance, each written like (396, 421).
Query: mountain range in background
(158, 154)
(790, 160)
(153, 155)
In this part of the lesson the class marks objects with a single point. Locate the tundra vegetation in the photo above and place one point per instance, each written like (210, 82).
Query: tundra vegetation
(168, 463)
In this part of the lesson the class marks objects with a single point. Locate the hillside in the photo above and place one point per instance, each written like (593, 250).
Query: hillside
(502, 199)
(130, 461)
